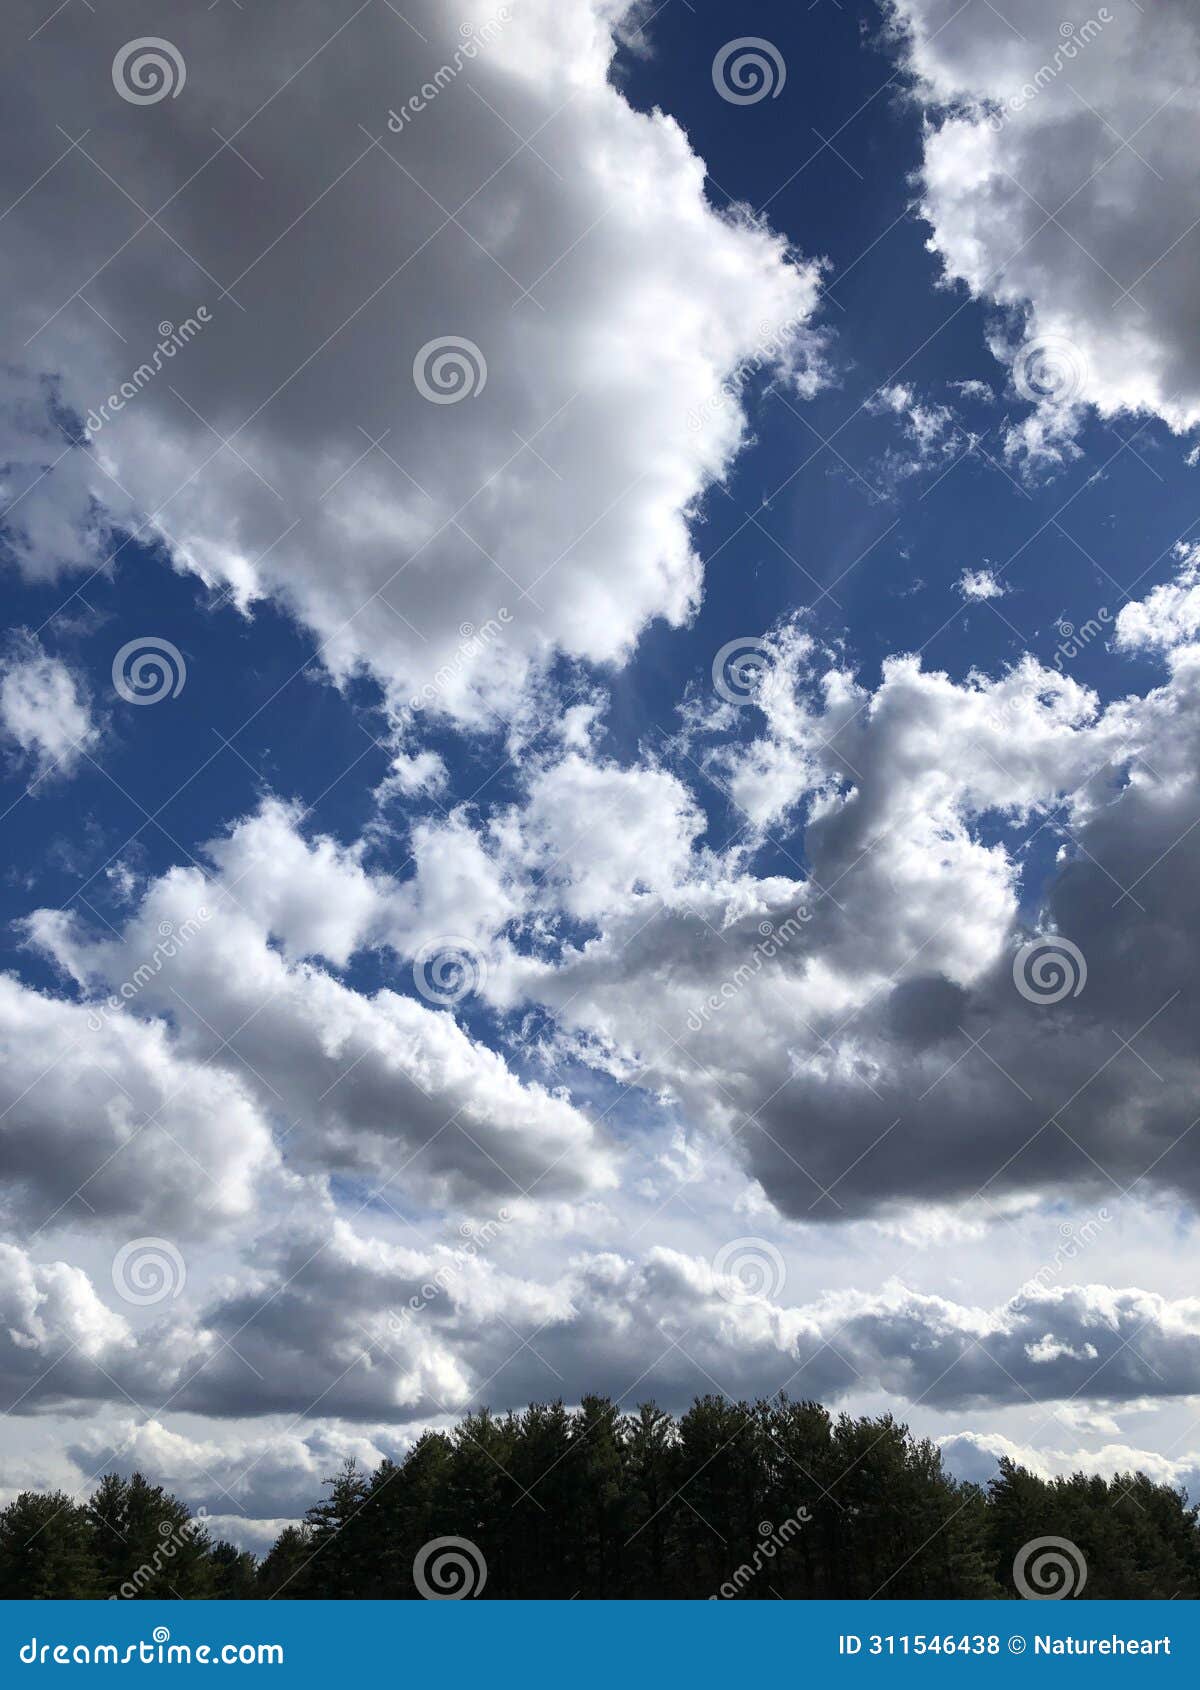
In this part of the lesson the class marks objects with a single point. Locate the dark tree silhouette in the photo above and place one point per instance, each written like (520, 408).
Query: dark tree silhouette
(745, 1501)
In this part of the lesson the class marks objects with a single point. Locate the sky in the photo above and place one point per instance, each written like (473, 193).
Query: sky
(598, 716)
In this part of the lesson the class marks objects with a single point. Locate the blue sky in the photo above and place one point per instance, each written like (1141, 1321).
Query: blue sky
(589, 821)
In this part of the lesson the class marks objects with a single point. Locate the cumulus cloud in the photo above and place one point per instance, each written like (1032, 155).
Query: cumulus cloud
(980, 584)
(842, 1025)
(55, 1328)
(1058, 183)
(378, 1332)
(975, 1455)
(45, 711)
(249, 1485)
(103, 1117)
(381, 1083)
(443, 260)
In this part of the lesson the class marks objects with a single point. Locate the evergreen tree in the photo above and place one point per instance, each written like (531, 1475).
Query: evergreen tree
(148, 1545)
(47, 1548)
(751, 1501)
(234, 1573)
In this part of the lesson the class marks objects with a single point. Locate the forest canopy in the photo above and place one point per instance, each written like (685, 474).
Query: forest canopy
(752, 1501)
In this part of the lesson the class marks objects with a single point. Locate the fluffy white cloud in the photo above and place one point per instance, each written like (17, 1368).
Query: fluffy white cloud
(56, 1335)
(342, 1320)
(45, 712)
(842, 1025)
(377, 1084)
(250, 1485)
(1058, 181)
(103, 1117)
(974, 1456)
(558, 492)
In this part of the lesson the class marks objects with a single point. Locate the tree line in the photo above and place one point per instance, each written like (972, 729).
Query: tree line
(749, 1501)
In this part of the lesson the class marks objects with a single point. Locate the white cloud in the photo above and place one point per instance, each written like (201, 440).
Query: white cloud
(381, 1083)
(559, 493)
(1058, 182)
(45, 711)
(980, 584)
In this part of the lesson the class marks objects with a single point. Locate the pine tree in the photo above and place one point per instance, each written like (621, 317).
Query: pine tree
(47, 1548)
